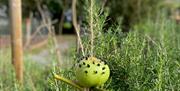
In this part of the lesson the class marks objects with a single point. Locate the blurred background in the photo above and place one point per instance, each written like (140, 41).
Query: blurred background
(35, 34)
(39, 47)
(131, 11)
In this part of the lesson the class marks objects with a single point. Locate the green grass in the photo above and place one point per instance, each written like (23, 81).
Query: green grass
(37, 77)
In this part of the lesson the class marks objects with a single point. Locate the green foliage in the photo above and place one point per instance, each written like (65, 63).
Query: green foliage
(34, 74)
(54, 6)
(144, 59)
(132, 11)
(37, 77)
(4, 2)
(56, 85)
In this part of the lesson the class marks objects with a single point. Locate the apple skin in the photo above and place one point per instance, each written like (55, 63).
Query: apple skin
(92, 72)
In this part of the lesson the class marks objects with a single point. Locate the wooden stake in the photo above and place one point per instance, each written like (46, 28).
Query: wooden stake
(16, 38)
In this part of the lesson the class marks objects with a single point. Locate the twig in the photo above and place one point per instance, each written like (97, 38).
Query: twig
(48, 23)
(68, 81)
(28, 30)
(64, 5)
(91, 27)
(38, 45)
(77, 28)
(61, 23)
(103, 5)
(38, 29)
(56, 47)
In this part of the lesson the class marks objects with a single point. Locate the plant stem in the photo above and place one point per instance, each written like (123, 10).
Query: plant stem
(76, 26)
(68, 81)
(91, 26)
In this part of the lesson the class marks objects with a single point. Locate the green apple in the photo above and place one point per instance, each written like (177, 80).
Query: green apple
(92, 72)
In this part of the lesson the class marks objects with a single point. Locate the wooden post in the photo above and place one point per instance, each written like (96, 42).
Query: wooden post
(16, 38)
